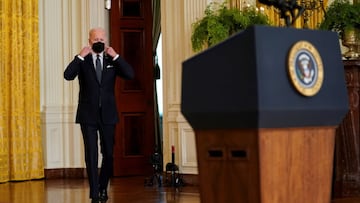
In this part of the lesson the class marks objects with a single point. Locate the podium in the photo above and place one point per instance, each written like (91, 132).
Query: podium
(264, 105)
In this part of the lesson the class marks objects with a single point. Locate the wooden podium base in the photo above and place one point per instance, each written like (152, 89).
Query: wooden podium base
(287, 165)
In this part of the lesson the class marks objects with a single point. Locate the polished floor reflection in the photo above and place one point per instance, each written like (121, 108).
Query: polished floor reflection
(122, 190)
(129, 190)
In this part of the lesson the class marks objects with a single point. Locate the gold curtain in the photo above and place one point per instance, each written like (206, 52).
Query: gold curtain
(236, 3)
(20, 138)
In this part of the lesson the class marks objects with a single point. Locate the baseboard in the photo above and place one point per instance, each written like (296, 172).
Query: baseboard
(65, 173)
(189, 179)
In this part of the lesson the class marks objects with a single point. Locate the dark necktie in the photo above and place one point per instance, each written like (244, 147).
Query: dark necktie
(98, 68)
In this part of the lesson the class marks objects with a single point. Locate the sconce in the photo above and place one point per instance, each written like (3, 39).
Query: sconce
(309, 7)
(107, 4)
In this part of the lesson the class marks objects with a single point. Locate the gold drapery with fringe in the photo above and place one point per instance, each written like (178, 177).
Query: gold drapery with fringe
(314, 19)
(20, 135)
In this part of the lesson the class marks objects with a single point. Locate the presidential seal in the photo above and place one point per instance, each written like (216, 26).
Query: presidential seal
(305, 68)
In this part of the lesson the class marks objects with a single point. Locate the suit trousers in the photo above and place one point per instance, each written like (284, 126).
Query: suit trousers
(90, 136)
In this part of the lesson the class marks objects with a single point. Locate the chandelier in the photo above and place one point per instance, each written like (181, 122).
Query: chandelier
(310, 6)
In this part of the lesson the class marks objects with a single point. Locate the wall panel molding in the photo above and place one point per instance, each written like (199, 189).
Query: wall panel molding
(176, 23)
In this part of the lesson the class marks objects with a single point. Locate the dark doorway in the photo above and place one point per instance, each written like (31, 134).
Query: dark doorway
(131, 35)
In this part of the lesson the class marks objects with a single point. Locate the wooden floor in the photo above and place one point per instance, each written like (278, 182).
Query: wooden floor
(121, 190)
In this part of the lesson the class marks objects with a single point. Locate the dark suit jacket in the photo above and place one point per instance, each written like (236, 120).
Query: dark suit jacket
(91, 91)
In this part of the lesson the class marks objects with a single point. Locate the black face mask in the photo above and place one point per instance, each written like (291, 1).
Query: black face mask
(98, 47)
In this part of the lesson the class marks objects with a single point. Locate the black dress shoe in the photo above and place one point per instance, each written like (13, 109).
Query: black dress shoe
(95, 200)
(103, 196)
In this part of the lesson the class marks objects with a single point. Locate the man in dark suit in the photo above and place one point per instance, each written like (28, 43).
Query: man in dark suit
(96, 67)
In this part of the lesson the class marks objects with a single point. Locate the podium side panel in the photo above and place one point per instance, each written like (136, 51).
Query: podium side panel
(219, 83)
(228, 165)
(296, 164)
